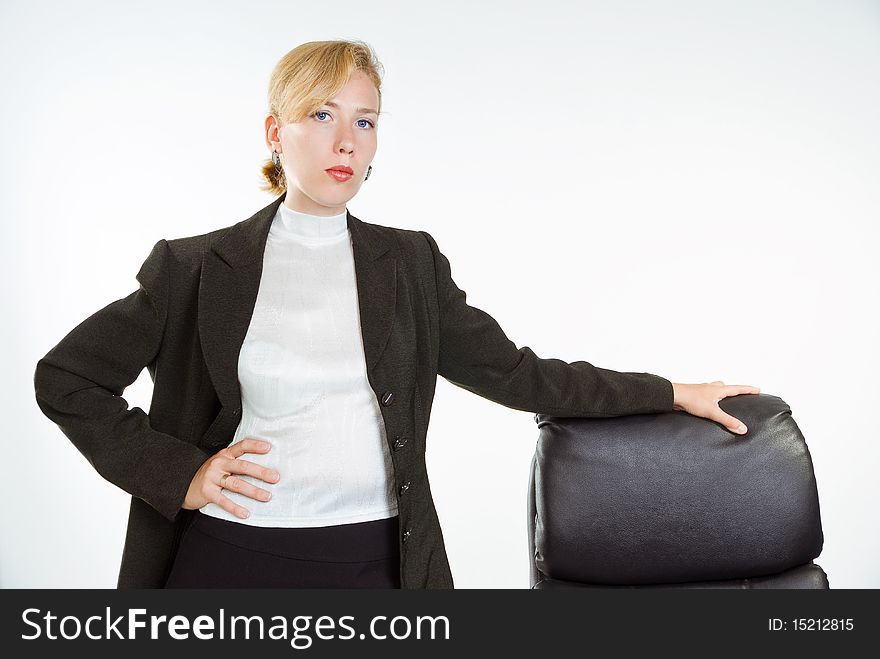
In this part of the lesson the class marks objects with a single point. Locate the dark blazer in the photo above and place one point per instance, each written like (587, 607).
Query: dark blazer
(186, 323)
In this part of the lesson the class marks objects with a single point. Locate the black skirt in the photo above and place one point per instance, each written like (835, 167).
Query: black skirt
(218, 553)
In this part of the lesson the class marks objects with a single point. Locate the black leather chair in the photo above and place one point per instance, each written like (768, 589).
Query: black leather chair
(673, 500)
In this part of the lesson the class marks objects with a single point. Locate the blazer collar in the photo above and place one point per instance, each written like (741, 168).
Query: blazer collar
(230, 280)
(245, 241)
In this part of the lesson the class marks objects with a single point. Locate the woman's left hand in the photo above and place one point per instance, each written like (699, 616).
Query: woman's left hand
(702, 400)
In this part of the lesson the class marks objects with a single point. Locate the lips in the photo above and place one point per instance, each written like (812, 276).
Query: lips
(340, 173)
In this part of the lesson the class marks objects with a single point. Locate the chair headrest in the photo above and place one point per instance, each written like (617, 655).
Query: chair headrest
(673, 497)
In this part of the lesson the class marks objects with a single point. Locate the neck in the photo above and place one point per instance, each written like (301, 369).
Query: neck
(296, 200)
(297, 224)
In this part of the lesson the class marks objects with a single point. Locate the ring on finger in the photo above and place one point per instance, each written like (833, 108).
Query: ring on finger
(223, 478)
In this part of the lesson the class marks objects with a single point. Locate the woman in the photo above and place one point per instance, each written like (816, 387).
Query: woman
(294, 357)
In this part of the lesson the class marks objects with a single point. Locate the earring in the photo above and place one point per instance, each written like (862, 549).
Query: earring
(276, 160)
(369, 169)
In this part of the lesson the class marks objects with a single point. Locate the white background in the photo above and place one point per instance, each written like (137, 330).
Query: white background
(683, 188)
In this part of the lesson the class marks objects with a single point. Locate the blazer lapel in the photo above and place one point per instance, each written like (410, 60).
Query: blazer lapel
(230, 281)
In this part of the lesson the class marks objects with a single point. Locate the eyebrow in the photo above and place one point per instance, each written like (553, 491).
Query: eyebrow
(366, 110)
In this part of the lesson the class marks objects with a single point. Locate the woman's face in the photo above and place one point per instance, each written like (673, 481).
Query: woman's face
(340, 132)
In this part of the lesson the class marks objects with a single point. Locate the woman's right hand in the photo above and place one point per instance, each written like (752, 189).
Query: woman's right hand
(205, 486)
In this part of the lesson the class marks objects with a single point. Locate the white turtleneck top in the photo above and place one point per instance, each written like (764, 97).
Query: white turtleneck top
(304, 385)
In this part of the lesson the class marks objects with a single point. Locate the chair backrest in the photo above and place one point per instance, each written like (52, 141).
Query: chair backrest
(670, 498)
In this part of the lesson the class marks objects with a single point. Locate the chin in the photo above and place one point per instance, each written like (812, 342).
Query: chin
(334, 200)
(328, 198)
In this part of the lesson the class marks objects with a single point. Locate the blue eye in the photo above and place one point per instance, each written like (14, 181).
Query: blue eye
(320, 112)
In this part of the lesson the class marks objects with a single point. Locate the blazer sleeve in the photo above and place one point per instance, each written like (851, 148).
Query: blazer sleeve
(476, 354)
(79, 384)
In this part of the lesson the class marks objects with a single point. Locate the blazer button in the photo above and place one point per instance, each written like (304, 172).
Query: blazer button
(236, 411)
(407, 534)
(404, 487)
(387, 398)
(399, 443)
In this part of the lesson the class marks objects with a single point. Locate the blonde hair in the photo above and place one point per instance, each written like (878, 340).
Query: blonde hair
(306, 78)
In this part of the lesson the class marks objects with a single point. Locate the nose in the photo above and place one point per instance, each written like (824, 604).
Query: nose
(345, 141)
